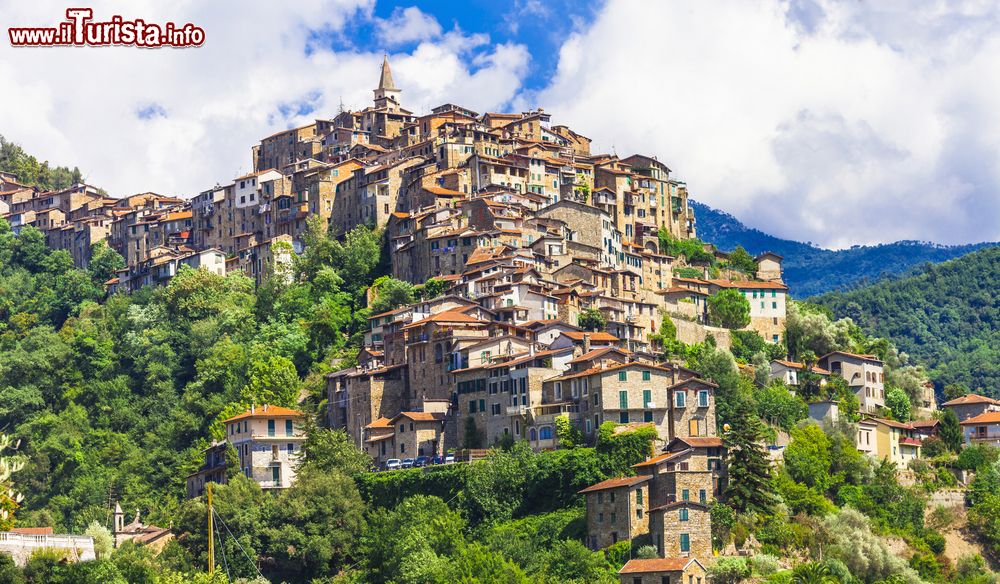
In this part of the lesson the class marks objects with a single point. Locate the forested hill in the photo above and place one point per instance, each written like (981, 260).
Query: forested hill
(945, 315)
(811, 270)
(31, 172)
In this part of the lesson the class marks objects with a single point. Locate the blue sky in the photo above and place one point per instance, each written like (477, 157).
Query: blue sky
(835, 122)
(542, 26)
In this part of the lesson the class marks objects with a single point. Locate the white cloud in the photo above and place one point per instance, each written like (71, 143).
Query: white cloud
(177, 121)
(838, 123)
(407, 25)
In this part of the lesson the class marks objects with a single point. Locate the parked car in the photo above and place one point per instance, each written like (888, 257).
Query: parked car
(450, 458)
(437, 460)
(392, 464)
(421, 461)
(407, 463)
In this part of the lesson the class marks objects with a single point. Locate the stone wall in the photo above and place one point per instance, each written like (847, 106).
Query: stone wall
(692, 332)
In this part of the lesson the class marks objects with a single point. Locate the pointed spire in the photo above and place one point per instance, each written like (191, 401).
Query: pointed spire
(385, 80)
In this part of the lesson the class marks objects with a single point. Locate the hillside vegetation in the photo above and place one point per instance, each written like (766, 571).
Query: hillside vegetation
(31, 172)
(946, 316)
(810, 270)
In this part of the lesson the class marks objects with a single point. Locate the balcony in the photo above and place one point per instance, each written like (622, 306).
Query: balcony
(517, 410)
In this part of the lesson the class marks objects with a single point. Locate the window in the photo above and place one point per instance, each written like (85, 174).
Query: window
(612, 498)
(270, 427)
(664, 579)
(600, 516)
(680, 399)
(623, 376)
(685, 495)
(276, 475)
(402, 448)
(685, 542)
(702, 496)
(545, 433)
(703, 398)
(558, 390)
(774, 305)
(600, 499)
(647, 416)
(482, 405)
(623, 417)
(693, 429)
(472, 406)
(645, 375)
(288, 427)
(638, 497)
(402, 428)
(647, 397)
(682, 514)
(623, 399)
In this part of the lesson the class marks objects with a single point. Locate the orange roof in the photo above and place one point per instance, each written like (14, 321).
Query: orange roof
(442, 191)
(598, 336)
(616, 483)
(972, 398)
(637, 566)
(701, 442)
(421, 416)
(178, 215)
(658, 459)
(267, 411)
(595, 353)
(382, 422)
(986, 418)
(446, 316)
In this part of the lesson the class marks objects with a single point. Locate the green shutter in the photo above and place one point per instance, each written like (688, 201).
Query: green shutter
(623, 399)
(645, 375)
(647, 396)
(685, 542)
(622, 375)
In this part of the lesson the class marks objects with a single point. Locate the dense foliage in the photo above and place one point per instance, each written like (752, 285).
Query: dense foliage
(29, 171)
(811, 270)
(946, 316)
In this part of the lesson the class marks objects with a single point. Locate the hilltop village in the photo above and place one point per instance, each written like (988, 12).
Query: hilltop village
(553, 292)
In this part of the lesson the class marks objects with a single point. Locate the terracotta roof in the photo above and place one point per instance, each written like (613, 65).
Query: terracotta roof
(658, 459)
(382, 422)
(609, 369)
(420, 416)
(598, 336)
(893, 423)
(446, 316)
(597, 353)
(267, 411)
(986, 418)
(638, 566)
(972, 398)
(925, 423)
(616, 483)
(702, 441)
(801, 366)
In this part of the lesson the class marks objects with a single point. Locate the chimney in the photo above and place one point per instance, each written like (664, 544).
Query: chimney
(265, 408)
(531, 349)
(586, 343)
(253, 408)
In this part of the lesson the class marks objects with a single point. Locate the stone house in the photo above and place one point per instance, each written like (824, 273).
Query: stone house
(863, 373)
(768, 267)
(663, 571)
(688, 469)
(682, 529)
(268, 441)
(972, 405)
(616, 510)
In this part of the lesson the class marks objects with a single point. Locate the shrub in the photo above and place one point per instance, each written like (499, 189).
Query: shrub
(647, 552)
(974, 456)
(729, 571)
(764, 564)
(618, 553)
(935, 541)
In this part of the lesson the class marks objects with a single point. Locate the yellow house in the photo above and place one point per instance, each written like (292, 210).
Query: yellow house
(896, 442)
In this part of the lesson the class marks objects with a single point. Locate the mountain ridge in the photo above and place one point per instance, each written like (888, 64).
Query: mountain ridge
(810, 270)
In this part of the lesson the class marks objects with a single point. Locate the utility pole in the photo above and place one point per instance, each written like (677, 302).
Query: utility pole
(211, 533)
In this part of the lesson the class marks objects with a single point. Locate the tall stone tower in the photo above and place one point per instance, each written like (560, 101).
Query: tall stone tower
(387, 94)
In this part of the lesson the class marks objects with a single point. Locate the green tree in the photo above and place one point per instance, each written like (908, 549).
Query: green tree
(807, 457)
(898, 403)
(316, 523)
(104, 542)
(327, 451)
(390, 294)
(740, 259)
(272, 380)
(433, 288)
(951, 431)
(591, 319)
(104, 263)
(749, 487)
(495, 486)
(729, 308)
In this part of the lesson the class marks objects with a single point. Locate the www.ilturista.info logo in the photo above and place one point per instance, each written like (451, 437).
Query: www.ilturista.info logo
(78, 30)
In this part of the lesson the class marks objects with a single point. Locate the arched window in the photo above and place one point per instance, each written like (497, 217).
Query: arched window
(533, 434)
(545, 433)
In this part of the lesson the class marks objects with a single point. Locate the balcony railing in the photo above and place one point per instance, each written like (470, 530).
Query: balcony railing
(517, 410)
